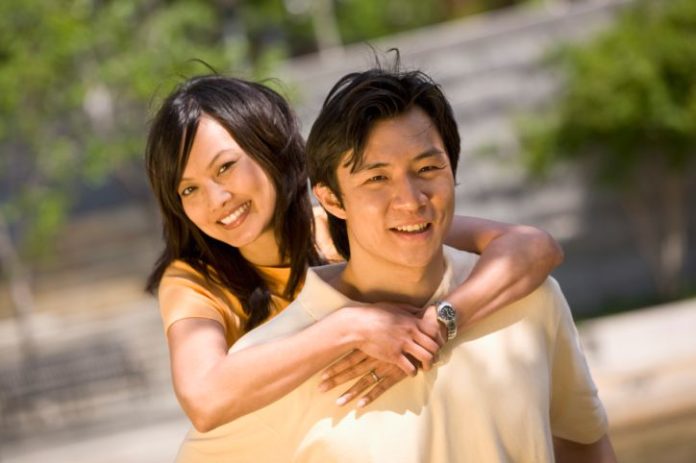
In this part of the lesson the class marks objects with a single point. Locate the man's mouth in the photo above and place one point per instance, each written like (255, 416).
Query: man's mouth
(236, 214)
(413, 228)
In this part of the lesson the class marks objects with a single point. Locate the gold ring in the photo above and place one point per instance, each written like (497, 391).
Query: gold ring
(374, 375)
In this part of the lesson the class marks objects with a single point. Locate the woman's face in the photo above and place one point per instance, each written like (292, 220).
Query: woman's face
(225, 193)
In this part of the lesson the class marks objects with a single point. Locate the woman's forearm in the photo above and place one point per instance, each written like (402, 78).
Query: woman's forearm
(515, 260)
(214, 387)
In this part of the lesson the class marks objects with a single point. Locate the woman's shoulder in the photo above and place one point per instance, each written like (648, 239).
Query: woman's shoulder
(184, 292)
(179, 267)
(180, 276)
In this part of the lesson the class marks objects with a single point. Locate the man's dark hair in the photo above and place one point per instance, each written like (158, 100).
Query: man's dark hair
(352, 108)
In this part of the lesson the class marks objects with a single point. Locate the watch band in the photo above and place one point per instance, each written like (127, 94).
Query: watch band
(447, 315)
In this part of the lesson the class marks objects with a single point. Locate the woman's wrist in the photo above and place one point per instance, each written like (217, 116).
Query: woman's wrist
(347, 333)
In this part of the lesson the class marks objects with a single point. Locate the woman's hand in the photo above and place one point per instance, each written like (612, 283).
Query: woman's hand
(322, 237)
(375, 377)
(395, 334)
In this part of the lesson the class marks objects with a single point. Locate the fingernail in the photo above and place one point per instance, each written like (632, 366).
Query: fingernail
(362, 402)
(343, 399)
(324, 376)
(323, 387)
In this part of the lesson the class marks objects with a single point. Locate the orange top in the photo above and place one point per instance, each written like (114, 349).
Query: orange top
(185, 293)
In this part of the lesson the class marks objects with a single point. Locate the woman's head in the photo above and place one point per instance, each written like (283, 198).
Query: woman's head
(226, 163)
(250, 123)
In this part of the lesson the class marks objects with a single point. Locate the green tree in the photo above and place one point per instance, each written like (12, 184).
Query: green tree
(77, 78)
(628, 111)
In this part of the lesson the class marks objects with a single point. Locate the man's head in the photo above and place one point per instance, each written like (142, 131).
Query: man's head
(382, 156)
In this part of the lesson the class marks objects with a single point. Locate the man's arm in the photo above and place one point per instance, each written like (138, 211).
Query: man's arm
(567, 451)
(515, 260)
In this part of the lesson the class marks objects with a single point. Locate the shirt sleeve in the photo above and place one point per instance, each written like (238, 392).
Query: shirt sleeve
(577, 414)
(184, 293)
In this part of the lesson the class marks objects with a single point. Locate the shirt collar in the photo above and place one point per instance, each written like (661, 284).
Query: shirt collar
(319, 298)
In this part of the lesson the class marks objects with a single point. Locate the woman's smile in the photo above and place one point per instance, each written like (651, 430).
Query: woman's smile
(227, 193)
(236, 217)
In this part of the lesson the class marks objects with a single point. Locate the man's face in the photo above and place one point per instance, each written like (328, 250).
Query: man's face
(398, 204)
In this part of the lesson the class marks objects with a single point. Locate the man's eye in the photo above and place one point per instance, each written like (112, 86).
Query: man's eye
(223, 168)
(429, 168)
(376, 178)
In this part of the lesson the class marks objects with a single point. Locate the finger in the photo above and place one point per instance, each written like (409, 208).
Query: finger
(387, 381)
(348, 361)
(360, 385)
(408, 366)
(426, 342)
(353, 372)
(423, 356)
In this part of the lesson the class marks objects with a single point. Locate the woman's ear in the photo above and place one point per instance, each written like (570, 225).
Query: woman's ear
(329, 200)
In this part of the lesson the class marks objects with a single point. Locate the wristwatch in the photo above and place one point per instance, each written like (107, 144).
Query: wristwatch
(448, 317)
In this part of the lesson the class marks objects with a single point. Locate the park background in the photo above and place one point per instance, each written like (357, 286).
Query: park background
(576, 116)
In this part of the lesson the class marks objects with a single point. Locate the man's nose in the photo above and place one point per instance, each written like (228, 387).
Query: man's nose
(409, 195)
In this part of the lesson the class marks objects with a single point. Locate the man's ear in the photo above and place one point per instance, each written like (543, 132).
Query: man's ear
(329, 200)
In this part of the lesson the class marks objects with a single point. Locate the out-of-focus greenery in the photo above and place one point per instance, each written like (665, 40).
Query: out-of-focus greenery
(628, 107)
(270, 22)
(80, 78)
(76, 80)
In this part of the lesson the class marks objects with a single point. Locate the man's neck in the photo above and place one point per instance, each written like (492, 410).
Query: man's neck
(368, 281)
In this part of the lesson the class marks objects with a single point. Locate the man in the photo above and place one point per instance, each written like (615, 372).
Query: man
(513, 387)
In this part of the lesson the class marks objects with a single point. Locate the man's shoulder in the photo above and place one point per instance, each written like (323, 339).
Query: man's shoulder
(460, 262)
(290, 320)
(316, 299)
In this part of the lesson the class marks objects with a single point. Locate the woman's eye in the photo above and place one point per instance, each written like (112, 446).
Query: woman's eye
(223, 168)
(187, 191)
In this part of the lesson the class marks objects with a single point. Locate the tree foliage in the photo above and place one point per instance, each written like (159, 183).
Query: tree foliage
(628, 106)
(76, 80)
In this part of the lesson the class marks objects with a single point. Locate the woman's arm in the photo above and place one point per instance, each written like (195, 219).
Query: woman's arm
(515, 260)
(215, 387)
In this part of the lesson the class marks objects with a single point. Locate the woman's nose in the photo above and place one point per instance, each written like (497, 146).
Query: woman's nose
(218, 195)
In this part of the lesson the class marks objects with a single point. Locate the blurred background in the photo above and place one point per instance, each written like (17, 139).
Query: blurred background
(577, 116)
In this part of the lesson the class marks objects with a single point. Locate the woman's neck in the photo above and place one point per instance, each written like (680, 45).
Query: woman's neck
(264, 251)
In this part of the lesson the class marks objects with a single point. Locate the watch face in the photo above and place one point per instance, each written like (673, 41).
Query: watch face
(446, 312)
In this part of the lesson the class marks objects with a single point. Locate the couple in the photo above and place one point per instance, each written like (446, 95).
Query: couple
(510, 386)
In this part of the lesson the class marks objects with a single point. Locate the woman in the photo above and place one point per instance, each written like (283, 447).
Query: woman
(225, 161)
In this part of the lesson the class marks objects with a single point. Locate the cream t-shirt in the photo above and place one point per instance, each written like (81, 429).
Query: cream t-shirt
(500, 391)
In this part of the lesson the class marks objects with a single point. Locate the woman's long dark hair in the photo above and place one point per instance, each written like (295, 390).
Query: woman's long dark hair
(264, 126)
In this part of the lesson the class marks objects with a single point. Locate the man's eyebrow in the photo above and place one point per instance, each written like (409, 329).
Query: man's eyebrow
(429, 153)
